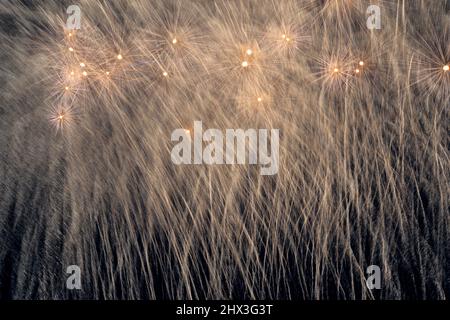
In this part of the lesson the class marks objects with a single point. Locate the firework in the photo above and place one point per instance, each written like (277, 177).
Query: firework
(362, 175)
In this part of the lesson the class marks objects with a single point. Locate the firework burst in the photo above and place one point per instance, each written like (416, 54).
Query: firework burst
(363, 149)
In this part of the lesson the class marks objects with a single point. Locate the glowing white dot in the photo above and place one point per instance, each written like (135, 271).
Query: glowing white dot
(446, 68)
(84, 73)
(336, 70)
(259, 99)
(357, 71)
(244, 64)
(249, 52)
(71, 49)
(82, 64)
(174, 41)
(119, 57)
(165, 74)
(361, 63)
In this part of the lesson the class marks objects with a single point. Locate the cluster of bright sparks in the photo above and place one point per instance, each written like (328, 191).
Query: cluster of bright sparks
(334, 70)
